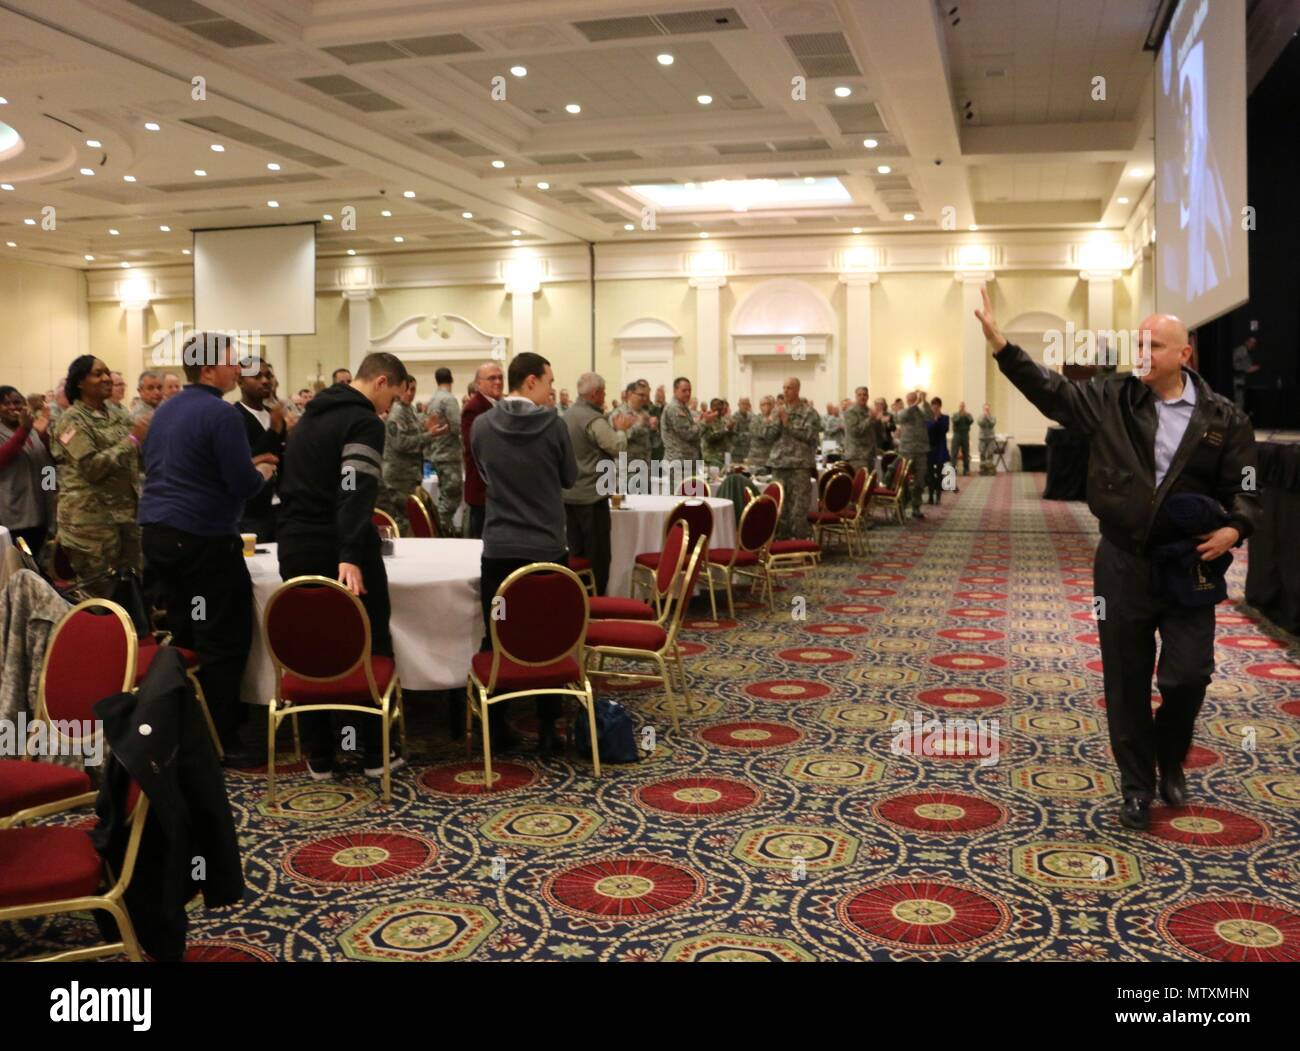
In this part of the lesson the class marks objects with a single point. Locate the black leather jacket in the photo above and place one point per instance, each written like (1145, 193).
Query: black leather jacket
(1118, 413)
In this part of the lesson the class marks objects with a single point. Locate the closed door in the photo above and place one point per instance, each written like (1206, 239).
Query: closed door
(768, 376)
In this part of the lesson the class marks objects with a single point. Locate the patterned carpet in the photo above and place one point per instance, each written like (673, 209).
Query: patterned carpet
(791, 819)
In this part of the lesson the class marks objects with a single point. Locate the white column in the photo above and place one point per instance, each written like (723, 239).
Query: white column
(857, 328)
(523, 332)
(1101, 298)
(1146, 286)
(974, 348)
(708, 335)
(135, 341)
(358, 300)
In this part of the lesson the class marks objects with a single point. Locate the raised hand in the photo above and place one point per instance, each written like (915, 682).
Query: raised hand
(991, 331)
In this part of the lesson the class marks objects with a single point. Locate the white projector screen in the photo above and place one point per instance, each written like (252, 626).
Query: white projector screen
(260, 279)
(1200, 101)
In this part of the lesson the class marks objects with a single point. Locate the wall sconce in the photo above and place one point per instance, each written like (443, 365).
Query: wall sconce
(916, 373)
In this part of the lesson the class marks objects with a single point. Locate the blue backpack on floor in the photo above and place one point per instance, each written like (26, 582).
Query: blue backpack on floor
(615, 734)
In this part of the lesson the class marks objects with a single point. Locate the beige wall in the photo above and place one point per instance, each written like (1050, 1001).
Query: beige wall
(43, 324)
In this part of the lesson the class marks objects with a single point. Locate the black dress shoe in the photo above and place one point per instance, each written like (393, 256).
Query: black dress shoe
(548, 745)
(1173, 786)
(1136, 814)
(240, 757)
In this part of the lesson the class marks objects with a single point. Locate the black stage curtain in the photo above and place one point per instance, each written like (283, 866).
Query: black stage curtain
(1273, 574)
(1067, 465)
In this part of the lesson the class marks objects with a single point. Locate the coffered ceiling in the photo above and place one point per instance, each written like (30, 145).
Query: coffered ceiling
(451, 124)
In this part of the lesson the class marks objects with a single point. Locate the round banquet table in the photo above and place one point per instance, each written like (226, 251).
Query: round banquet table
(436, 620)
(638, 526)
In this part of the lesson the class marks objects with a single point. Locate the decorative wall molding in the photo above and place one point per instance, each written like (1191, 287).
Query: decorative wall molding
(441, 337)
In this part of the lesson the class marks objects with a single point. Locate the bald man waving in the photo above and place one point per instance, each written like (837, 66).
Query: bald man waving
(1171, 481)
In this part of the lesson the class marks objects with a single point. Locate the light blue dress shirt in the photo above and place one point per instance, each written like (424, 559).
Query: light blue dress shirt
(1172, 418)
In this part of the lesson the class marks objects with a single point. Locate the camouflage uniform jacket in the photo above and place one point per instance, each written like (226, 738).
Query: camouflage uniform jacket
(744, 432)
(445, 448)
(913, 438)
(717, 440)
(406, 444)
(681, 434)
(98, 469)
(859, 434)
(961, 422)
(795, 442)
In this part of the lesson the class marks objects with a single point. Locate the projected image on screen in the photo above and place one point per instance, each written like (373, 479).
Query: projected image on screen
(1201, 161)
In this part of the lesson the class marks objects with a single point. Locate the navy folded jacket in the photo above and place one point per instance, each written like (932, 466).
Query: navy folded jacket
(1177, 569)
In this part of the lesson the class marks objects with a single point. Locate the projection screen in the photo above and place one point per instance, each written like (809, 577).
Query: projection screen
(260, 279)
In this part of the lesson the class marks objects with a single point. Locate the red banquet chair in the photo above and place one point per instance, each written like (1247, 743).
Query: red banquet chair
(419, 520)
(582, 567)
(638, 640)
(853, 520)
(749, 558)
(537, 649)
(697, 514)
(318, 635)
(789, 556)
(837, 495)
(694, 486)
(671, 559)
(148, 650)
(891, 495)
(382, 519)
(91, 654)
(52, 869)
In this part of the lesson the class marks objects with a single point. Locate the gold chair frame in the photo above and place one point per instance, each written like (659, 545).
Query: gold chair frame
(760, 574)
(894, 502)
(429, 520)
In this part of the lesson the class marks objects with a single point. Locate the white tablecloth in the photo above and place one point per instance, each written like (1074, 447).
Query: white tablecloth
(639, 526)
(436, 622)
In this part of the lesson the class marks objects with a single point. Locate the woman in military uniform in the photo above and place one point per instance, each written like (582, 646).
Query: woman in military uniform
(98, 458)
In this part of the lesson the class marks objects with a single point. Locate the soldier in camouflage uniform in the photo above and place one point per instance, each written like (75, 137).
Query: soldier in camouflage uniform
(446, 452)
(742, 422)
(98, 458)
(656, 409)
(406, 444)
(681, 433)
(794, 431)
(639, 448)
(961, 422)
(718, 436)
(761, 435)
(860, 433)
(988, 462)
(914, 443)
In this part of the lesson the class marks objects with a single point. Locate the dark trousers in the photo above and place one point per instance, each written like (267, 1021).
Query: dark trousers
(476, 516)
(493, 572)
(318, 728)
(934, 480)
(203, 583)
(587, 526)
(1127, 626)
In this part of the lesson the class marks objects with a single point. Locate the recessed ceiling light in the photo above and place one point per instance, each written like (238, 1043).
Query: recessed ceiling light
(516, 242)
(870, 144)
(3, 101)
(467, 215)
(6, 186)
(843, 92)
(908, 217)
(185, 251)
(809, 179)
(857, 229)
(216, 147)
(327, 218)
(352, 251)
(519, 71)
(273, 204)
(972, 227)
(515, 233)
(573, 107)
(29, 222)
(165, 229)
(665, 59)
(128, 178)
(884, 169)
(88, 258)
(1123, 200)
(498, 164)
(399, 239)
(408, 194)
(151, 126)
(200, 172)
(272, 167)
(704, 234)
(543, 185)
(87, 171)
(386, 214)
(126, 266)
(114, 233)
(704, 100)
(628, 226)
(12, 244)
(94, 144)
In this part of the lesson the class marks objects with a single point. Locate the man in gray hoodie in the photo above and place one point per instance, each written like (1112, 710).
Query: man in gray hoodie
(523, 453)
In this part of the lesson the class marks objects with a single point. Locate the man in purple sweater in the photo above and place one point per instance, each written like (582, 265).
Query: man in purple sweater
(198, 472)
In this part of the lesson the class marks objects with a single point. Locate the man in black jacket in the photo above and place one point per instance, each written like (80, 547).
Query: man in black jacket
(1154, 432)
(263, 420)
(333, 464)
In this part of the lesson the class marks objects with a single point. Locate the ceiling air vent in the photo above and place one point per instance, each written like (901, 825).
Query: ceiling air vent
(549, 160)
(348, 91)
(596, 156)
(396, 50)
(209, 24)
(455, 142)
(801, 145)
(678, 22)
(228, 129)
(823, 54)
(856, 118)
